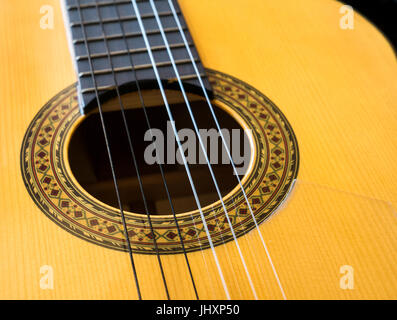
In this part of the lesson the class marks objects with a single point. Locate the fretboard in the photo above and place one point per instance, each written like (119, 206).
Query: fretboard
(115, 32)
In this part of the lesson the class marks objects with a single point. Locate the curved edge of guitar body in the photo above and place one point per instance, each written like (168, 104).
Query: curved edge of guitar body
(335, 236)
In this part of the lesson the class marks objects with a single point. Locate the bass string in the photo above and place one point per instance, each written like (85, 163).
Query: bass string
(203, 147)
(226, 147)
(135, 164)
(159, 163)
(162, 91)
(108, 149)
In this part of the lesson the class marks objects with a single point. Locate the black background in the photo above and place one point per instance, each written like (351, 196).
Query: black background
(382, 13)
(132, 310)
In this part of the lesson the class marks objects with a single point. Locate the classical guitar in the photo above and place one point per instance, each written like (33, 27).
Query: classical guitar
(213, 149)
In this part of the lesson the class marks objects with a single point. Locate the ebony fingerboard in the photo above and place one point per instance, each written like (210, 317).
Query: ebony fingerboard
(116, 26)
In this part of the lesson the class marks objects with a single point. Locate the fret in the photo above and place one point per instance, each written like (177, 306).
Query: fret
(99, 88)
(127, 35)
(131, 18)
(129, 68)
(107, 88)
(189, 77)
(100, 4)
(132, 51)
(115, 27)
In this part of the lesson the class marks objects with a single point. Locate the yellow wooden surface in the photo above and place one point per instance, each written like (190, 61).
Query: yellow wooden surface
(338, 89)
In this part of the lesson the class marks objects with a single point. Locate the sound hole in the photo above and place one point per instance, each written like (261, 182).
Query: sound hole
(89, 160)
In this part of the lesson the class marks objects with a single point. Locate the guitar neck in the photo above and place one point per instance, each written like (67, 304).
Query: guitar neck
(109, 51)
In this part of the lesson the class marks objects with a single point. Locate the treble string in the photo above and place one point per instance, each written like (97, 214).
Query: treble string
(229, 260)
(143, 30)
(133, 155)
(108, 149)
(202, 146)
(225, 145)
(158, 161)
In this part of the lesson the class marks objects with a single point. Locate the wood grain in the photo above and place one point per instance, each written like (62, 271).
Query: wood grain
(338, 89)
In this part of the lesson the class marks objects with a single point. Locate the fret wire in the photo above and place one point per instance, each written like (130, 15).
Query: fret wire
(139, 50)
(107, 88)
(138, 67)
(188, 77)
(100, 4)
(131, 18)
(128, 35)
(102, 88)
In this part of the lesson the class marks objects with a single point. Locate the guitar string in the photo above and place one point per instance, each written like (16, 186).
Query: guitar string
(227, 251)
(133, 154)
(226, 147)
(143, 30)
(107, 143)
(227, 254)
(243, 228)
(160, 165)
(202, 146)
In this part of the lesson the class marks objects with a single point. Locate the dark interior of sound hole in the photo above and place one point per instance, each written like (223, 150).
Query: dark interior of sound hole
(90, 163)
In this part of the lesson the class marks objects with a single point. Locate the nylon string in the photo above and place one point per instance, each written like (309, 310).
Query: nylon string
(226, 147)
(160, 166)
(109, 154)
(143, 30)
(202, 145)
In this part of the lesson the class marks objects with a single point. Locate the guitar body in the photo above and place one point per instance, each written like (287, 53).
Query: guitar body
(336, 87)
